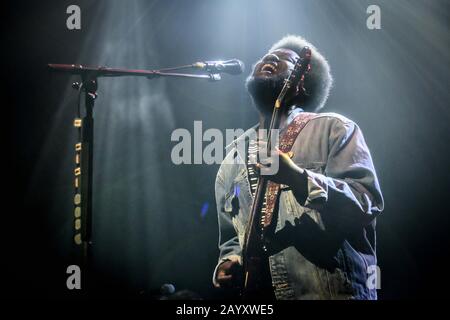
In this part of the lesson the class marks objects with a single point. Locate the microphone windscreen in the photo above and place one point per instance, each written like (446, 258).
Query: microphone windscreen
(167, 288)
(234, 66)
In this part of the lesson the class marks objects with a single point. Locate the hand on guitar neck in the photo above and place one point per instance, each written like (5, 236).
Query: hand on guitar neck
(287, 172)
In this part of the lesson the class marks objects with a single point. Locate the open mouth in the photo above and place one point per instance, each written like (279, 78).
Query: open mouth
(268, 68)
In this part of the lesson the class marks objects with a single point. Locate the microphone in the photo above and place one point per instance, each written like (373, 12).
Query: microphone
(167, 289)
(233, 66)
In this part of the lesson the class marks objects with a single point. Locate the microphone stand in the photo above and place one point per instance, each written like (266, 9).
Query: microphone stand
(85, 148)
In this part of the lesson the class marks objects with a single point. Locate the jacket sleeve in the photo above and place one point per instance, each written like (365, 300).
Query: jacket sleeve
(348, 194)
(229, 246)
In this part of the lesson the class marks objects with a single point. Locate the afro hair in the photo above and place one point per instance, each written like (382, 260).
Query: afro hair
(318, 81)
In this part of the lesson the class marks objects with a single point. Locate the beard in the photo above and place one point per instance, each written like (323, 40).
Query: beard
(265, 90)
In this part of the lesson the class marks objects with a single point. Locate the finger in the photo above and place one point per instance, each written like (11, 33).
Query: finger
(222, 273)
(279, 151)
(235, 265)
(260, 165)
(285, 155)
(224, 278)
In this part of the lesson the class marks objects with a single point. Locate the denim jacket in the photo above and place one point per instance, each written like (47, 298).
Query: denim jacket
(324, 241)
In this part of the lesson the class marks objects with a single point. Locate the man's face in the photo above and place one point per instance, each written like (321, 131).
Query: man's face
(275, 63)
(266, 80)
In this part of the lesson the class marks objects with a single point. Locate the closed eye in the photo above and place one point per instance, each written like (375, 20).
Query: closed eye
(271, 57)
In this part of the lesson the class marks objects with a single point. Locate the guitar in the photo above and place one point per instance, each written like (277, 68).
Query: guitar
(254, 253)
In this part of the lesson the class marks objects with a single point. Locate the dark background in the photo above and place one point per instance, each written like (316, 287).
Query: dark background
(149, 227)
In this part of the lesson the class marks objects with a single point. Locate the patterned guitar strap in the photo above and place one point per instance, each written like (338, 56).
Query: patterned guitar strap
(286, 142)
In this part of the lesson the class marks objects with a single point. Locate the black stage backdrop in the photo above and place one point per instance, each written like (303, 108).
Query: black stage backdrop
(155, 222)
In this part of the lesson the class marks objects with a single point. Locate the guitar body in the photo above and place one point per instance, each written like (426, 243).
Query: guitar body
(257, 280)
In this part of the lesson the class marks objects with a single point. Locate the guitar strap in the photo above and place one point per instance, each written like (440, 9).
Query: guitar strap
(286, 142)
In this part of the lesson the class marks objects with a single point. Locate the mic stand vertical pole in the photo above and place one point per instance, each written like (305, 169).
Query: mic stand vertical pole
(89, 87)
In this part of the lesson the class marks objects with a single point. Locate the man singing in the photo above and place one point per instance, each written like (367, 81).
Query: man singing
(321, 239)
